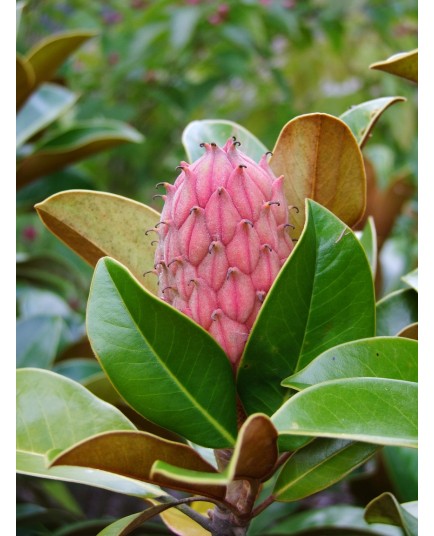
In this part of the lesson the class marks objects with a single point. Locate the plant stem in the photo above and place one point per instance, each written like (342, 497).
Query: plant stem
(261, 507)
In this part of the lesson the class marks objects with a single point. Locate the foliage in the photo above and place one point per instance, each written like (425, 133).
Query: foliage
(330, 366)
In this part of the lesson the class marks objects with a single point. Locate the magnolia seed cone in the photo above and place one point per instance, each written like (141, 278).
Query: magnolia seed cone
(223, 236)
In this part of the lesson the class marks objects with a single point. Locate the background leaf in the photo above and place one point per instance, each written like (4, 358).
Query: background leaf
(43, 107)
(167, 368)
(368, 239)
(403, 64)
(54, 412)
(77, 143)
(374, 410)
(25, 79)
(320, 160)
(412, 279)
(401, 465)
(386, 509)
(50, 53)
(38, 340)
(396, 311)
(319, 465)
(218, 131)
(96, 224)
(362, 118)
(323, 296)
(379, 357)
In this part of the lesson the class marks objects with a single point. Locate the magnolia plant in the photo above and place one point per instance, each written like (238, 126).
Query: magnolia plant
(240, 326)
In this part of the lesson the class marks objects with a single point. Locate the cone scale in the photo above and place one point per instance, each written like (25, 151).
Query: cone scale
(223, 236)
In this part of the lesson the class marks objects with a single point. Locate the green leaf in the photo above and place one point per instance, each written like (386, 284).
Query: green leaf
(98, 224)
(404, 64)
(139, 452)
(320, 160)
(54, 412)
(412, 279)
(386, 509)
(77, 369)
(19, 12)
(401, 465)
(362, 118)
(218, 131)
(374, 410)
(368, 240)
(77, 143)
(38, 339)
(50, 53)
(168, 368)
(43, 107)
(322, 297)
(25, 80)
(379, 357)
(396, 311)
(319, 465)
(333, 520)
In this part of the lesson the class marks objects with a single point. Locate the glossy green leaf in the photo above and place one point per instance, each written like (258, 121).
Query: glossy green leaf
(368, 240)
(320, 160)
(379, 357)
(77, 143)
(319, 465)
(401, 465)
(404, 64)
(38, 339)
(25, 80)
(342, 520)
(43, 107)
(167, 368)
(323, 296)
(219, 131)
(386, 509)
(78, 369)
(373, 410)
(139, 452)
(362, 118)
(54, 412)
(396, 311)
(412, 279)
(85, 221)
(50, 53)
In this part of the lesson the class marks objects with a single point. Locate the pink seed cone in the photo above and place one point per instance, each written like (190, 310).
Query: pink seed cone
(223, 237)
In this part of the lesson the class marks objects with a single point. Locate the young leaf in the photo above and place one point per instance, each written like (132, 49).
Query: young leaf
(362, 118)
(43, 107)
(319, 465)
(97, 224)
(254, 456)
(54, 412)
(218, 131)
(404, 64)
(386, 509)
(323, 296)
(163, 364)
(140, 450)
(373, 410)
(379, 357)
(320, 160)
(369, 243)
(75, 144)
(396, 311)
